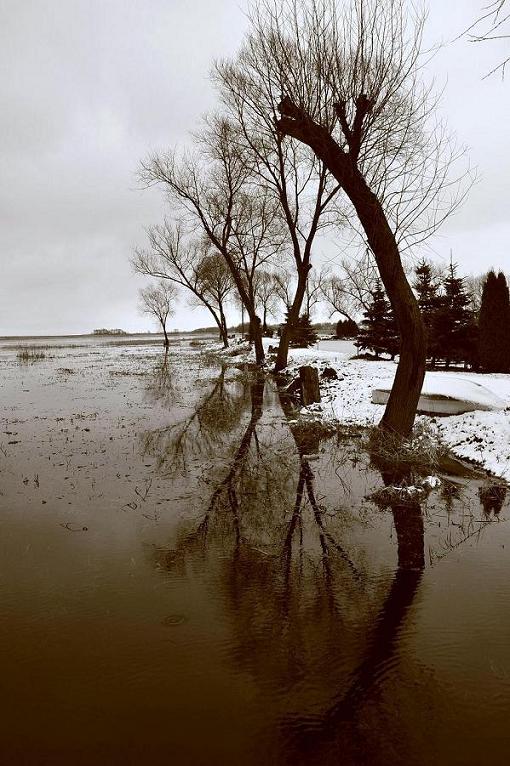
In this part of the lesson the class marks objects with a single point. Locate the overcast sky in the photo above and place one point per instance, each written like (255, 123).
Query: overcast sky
(88, 87)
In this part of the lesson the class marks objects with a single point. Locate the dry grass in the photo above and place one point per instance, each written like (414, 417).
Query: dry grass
(493, 495)
(45, 346)
(424, 451)
(313, 430)
(30, 354)
(387, 497)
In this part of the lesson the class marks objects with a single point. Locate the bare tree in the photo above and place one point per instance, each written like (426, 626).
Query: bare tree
(492, 24)
(257, 239)
(284, 287)
(215, 281)
(338, 300)
(266, 295)
(157, 301)
(350, 292)
(211, 189)
(187, 262)
(296, 179)
(314, 290)
(351, 92)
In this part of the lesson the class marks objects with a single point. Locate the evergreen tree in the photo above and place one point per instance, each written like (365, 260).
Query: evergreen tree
(346, 328)
(303, 334)
(379, 332)
(455, 329)
(292, 330)
(427, 293)
(494, 325)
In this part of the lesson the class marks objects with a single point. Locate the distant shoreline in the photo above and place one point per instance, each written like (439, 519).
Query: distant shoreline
(105, 335)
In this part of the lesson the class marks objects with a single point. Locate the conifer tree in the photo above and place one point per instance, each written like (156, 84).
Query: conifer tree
(379, 332)
(346, 328)
(427, 292)
(302, 334)
(455, 328)
(494, 325)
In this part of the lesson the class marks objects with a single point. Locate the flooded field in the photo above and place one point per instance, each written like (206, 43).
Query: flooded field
(189, 576)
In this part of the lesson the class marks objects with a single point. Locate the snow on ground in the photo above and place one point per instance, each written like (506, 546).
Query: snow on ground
(446, 395)
(479, 436)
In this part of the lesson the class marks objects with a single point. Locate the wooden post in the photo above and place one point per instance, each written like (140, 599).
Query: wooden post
(309, 379)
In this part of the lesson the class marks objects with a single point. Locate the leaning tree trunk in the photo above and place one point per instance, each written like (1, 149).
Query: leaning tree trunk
(166, 342)
(247, 301)
(403, 401)
(221, 322)
(221, 329)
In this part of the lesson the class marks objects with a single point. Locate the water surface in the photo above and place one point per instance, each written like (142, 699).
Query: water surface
(188, 576)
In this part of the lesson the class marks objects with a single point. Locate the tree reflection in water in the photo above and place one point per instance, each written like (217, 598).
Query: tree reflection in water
(312, 621)
(381, 639)
(161, 386)
(201, 431)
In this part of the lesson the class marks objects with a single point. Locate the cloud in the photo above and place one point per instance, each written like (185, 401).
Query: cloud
(91, 86)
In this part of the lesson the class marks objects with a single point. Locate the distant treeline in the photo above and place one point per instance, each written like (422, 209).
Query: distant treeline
(105, 331)
(321, 328)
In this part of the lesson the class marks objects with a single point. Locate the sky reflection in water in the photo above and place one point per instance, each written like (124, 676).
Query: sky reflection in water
(246, 599)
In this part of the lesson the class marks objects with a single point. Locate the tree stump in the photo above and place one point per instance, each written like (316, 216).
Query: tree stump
(309, 379)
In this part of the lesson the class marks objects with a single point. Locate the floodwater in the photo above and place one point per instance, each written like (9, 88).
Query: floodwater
(187, 576)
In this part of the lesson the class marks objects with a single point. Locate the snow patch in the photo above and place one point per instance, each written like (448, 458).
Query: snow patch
(481, 436)
(444, 394)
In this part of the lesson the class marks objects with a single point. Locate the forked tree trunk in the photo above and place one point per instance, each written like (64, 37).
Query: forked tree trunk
(166, 342)
(403, 401)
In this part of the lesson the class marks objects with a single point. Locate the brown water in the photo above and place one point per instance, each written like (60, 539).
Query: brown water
(187, 578)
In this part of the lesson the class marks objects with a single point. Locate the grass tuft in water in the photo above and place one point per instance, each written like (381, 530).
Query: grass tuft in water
(423, 451)
(29, 354)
